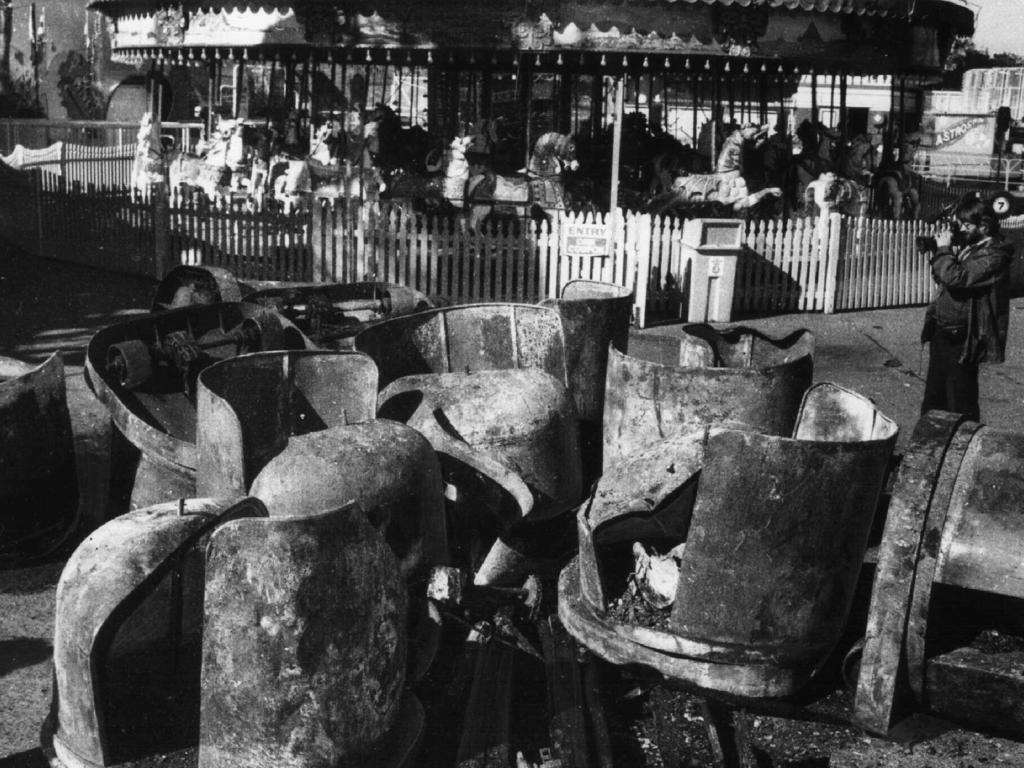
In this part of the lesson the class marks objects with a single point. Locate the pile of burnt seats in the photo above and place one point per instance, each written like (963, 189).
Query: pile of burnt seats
(276, 611)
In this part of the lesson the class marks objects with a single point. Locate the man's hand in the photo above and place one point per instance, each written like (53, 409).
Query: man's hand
(944, 237)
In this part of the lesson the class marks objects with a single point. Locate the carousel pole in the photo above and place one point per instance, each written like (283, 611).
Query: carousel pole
(529, 118)
(695, 102)
(155, 92)
(762, 83)
(564, 103)
(211, 82)
(616, 153)
(334, 78)
(270, 86)
(832, 98)
(814, 97)
(842, 105)
(236, 89)
(596, 105)
(716, 117)
(903, 109)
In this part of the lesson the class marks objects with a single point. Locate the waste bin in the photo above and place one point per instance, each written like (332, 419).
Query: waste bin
(713, 246)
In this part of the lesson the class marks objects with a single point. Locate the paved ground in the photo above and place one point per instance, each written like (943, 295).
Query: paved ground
(46, 306)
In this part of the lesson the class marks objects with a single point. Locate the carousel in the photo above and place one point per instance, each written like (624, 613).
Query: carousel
(643, 93)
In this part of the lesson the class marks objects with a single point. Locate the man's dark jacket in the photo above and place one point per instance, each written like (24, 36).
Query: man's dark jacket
(974, 296)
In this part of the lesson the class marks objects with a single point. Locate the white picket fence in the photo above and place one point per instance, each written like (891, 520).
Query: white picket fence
(800, 265)
(78, 163)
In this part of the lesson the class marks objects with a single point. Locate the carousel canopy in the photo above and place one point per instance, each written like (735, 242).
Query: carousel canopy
(856, 35)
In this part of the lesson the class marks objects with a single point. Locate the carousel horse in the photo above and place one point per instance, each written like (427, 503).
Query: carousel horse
(815, 155)
(541, 190)
(896, 184)
(148, 168)
(856, 160)
(716, 193)
(441, 191)
(207, 172)
(830, 192)
(399, 148)
(339, 166)
(726, 190)
(774, 161)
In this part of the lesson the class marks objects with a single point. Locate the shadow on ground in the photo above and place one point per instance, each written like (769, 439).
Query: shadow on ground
(47, 306)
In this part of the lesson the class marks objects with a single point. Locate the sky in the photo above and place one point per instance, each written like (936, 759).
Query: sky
(1000, 25)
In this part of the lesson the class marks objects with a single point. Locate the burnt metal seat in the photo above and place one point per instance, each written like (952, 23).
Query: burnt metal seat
(595, 315)
(38, 486)
(205, 628)
(771, 552)
(298, 431)
(486, 384)
(670, 385)
(128, 635)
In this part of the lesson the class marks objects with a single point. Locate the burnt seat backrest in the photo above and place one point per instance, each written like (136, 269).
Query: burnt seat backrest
(779, 531)
(594, 315)
(478, 337)
(674, 385)
(831, 413)
(248, 407)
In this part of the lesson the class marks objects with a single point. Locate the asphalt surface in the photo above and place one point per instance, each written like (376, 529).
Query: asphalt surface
(47, 306)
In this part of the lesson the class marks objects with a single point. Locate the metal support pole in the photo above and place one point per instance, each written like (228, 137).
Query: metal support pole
(814, 97)
(842, 105)
(616, 149)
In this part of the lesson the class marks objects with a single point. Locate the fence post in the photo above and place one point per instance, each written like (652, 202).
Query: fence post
(36, 182)
(835, 223)
(161, 209)
(318, 237)
(642, 244)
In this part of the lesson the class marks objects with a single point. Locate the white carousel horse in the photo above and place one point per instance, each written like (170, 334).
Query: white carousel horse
(830, 192)
(515, 197)
(148, 167)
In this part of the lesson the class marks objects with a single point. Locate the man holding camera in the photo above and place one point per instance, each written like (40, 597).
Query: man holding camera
(967, 321)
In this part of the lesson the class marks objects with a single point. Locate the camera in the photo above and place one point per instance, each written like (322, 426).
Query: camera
(946, 220)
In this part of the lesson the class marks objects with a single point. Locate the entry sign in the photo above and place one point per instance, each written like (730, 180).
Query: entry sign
(716, 265)
(586, 240)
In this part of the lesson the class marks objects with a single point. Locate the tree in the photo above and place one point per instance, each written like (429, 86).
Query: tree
(965, 55)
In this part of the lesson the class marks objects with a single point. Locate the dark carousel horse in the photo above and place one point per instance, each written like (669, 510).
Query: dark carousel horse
(541, 191)
(896, 185)
(401, 148)
(816, 155)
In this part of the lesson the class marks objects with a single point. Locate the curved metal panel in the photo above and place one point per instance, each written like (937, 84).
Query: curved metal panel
(772, 554)
(472, 338)
(388, 469)
(594, 315)
(248, 408)
(157, 412)
(768, 554)
(129, 607)
(984, 534)
(522, 418)
(304, 642)
(38, 484)
(667, 386)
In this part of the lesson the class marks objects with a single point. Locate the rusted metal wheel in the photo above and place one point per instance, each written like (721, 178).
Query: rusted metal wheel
(130, 363)
(262, 332)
